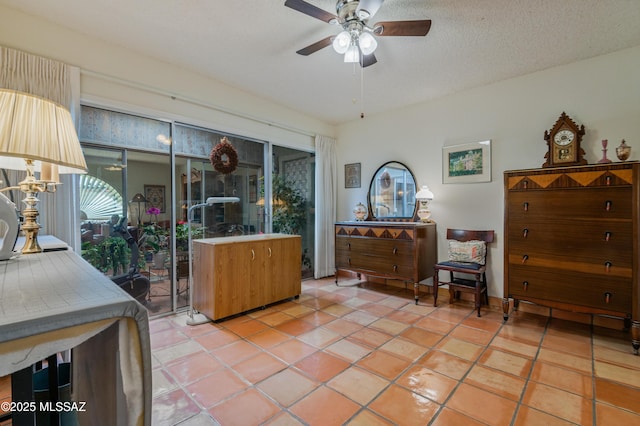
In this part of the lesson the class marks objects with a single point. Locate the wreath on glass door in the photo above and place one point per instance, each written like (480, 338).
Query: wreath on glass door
(224, 157)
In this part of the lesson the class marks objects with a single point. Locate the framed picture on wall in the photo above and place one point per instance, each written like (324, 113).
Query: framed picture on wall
(467, 163)
(352, 175)
(155, 197)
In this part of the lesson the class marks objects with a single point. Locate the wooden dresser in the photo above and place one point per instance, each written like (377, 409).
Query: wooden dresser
(232, 275)
(403, 251)
(572, 240)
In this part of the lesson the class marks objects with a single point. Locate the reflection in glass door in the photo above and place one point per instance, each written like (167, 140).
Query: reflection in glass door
(293, 186)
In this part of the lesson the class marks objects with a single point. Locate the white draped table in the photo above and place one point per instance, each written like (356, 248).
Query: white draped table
(55, 301)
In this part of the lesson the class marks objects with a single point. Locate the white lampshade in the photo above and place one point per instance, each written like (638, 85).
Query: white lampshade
(367, 43)
(341, 42)
(36, 133)
(352, 54)
(37, 129)
(424, 193)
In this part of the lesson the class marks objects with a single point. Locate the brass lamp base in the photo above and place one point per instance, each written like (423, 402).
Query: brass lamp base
(30, 228)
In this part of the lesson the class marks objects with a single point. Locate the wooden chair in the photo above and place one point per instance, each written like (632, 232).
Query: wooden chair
(466, 265)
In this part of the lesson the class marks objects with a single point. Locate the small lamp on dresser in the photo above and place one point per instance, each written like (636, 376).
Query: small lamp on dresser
(424, 196)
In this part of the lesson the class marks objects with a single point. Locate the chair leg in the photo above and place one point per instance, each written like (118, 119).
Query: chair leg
(478, 293)
(486, 289)
(435, 288)
(452, 293)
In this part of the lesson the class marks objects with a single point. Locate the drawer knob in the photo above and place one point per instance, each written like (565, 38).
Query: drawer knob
(607, 180)
(395, 250)
(525, 258)
(607, 236)
(349, 246)
(607, 205)
(525, 285)
(395, 268)
(526, 206)
(525, 233)
(253, 255)
(607, 266)
(525, 184)
(607, 297)
(349, 260)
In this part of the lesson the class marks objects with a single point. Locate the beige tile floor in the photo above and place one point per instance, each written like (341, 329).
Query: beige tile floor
(367, 355)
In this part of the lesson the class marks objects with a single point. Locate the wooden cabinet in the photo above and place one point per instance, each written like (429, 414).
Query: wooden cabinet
(572, 240)
(403, 251)
(232, 275)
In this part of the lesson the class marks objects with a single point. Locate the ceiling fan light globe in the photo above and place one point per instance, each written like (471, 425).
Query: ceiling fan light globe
(341, 42)
(367, 43)
(352, 54)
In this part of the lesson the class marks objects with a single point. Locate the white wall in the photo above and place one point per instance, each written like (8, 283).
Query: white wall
(107, 70)
(602, 93)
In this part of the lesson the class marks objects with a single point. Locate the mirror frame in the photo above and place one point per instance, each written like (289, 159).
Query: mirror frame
(370, 214)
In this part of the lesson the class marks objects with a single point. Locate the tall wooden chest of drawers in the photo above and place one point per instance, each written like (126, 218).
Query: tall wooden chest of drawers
(572, 240)
(403, 251)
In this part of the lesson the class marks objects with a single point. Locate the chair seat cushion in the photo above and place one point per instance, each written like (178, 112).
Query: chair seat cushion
(461, 265)
(473, 251)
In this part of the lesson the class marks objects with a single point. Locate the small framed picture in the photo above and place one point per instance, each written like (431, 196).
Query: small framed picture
(467, 163)
(155, 197)
(352, 175)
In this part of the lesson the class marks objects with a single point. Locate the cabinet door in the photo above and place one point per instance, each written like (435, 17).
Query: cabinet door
(258, 270)
(283, 269)
(232, 277)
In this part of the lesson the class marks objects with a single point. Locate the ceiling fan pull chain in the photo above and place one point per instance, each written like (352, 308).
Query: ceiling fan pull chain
(362, 91)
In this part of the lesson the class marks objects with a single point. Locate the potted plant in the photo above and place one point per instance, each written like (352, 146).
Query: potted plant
(111, 255)
(155, 243)
(182, 235)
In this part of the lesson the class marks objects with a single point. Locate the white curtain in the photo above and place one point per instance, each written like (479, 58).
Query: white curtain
(59, 82)
(326, 194)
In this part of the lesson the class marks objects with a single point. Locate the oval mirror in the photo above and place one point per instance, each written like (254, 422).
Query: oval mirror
(392, 193)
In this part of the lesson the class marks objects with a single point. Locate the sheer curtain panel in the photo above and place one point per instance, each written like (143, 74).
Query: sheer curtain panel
(326, 193)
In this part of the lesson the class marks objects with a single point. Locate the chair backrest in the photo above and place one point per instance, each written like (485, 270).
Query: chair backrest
(468, 235)
(463, 246)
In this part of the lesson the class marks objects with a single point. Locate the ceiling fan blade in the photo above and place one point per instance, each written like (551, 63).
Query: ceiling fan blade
(370, 6)
(367, 60)
(403, 28)
(315, 46)
(311, 10)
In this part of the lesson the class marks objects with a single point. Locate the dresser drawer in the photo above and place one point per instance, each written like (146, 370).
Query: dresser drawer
(586, 203)
(573, 240)
(386, 257)
(613, 294)
(609, 269)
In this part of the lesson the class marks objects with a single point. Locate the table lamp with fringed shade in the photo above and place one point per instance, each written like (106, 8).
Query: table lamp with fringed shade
(37, 134)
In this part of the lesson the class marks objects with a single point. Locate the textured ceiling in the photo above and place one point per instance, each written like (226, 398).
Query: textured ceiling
(251, 44)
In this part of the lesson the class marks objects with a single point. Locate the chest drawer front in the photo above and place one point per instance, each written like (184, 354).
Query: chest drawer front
(581, 241)
(570, 287)
(606, 270)
(587, 203)
(378, 255)
(385, 256)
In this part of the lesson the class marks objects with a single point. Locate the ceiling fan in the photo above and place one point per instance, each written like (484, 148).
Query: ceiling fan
(357, 40)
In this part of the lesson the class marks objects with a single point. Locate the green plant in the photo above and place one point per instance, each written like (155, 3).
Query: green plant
(289, 211)
(155, 237)
(113, 254)
(182, 235)
(289, 207)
